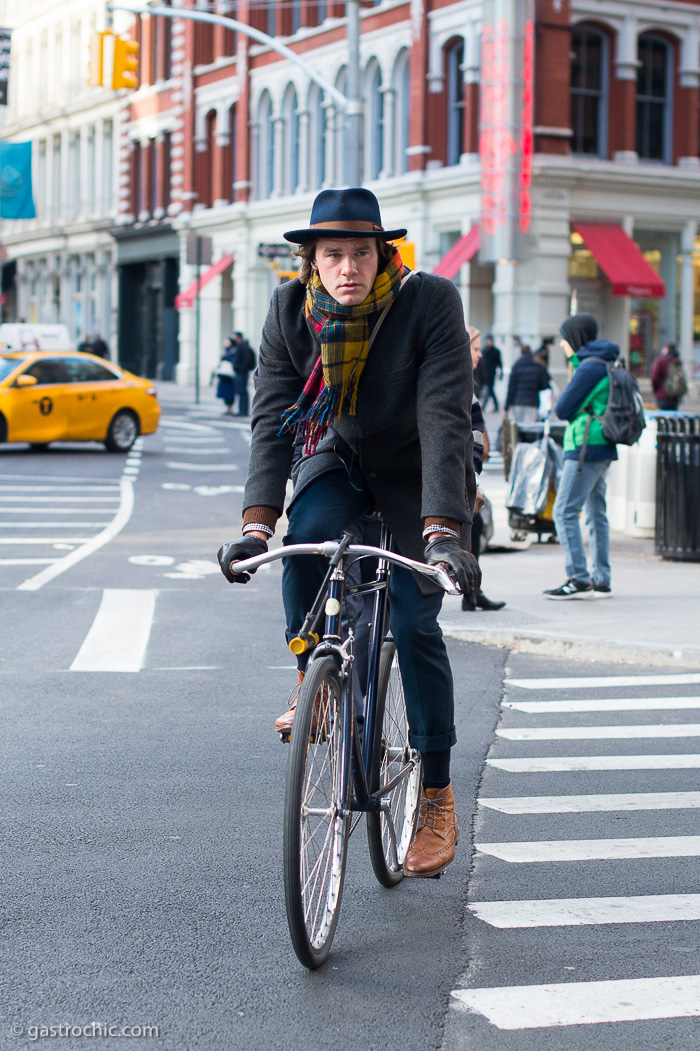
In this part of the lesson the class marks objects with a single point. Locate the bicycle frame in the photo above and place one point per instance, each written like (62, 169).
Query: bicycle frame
(357, 750)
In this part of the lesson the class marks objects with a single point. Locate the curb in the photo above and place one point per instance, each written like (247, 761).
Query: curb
(589, 649)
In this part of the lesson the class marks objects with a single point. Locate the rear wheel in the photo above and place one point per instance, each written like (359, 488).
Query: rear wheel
(392, 752)
(123, 432)
(316, 815)
(38, 447)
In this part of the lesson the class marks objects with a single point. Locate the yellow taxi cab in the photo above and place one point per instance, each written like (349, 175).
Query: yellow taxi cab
(51, 397)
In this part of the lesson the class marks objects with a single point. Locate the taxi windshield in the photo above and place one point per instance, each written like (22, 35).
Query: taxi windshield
(7, 365)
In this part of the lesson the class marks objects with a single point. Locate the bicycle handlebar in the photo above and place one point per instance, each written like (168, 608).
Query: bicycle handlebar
(328, 549)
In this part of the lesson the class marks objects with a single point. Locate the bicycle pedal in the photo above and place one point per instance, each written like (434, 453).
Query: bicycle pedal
(285, 736)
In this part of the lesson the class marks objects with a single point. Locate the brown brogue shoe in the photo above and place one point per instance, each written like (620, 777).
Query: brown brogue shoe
(433, 848)
(283, 725)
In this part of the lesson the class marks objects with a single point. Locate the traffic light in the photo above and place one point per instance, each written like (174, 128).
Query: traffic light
(126, 63)
(97, 62)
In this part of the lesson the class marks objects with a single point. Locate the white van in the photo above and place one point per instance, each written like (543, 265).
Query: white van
(35, 337)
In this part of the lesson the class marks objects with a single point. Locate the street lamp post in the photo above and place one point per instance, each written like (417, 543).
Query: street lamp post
(350, 104)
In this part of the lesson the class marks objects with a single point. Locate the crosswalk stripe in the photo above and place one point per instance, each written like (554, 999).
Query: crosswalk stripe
(611, 704)
(117, 639)
(584, 1003)
(583, 733)
(593, 803)
(598, 681)
(593, 849)
(578, 912)
(569, 763)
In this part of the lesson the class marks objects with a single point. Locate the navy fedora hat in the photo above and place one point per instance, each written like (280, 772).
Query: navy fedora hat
(352, 212)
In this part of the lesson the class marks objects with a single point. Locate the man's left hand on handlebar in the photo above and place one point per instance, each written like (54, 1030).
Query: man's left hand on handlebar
(461, 565)
(237, 551)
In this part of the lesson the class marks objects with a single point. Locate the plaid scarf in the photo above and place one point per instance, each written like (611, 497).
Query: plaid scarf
(345, 333)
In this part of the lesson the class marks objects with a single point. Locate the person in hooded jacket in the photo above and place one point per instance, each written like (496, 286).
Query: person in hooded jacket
(582, 482)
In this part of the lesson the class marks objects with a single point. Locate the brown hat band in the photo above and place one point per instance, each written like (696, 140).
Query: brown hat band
(346, 224)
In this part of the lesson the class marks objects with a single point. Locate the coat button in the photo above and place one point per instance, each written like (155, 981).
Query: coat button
(373, 474)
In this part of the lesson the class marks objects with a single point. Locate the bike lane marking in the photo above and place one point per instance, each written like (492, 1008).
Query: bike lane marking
(118, 637)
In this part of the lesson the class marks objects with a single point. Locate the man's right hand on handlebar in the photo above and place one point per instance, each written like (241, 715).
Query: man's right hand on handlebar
(238, 551)
(461, 565)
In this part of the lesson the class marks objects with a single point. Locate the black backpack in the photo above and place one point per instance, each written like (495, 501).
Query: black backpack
(623, 420)
(675, 385)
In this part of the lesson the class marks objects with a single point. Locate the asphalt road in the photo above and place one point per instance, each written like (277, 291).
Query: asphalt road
(141, 872)
(141, 876)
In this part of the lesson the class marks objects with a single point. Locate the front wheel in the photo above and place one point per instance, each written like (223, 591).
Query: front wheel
(123, 432)
(392, 753)
(316, 814)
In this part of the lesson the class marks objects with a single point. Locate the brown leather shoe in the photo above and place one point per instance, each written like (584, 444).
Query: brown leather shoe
(434, 846)
(283, 725)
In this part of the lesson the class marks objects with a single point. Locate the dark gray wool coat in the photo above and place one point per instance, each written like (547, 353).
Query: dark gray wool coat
(411, 435)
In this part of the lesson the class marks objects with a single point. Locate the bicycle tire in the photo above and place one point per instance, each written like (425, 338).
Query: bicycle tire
(392, 750)
(315, 845)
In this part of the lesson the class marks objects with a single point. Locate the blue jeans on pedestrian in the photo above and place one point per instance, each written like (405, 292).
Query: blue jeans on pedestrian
(327, 506)
(579, 488)
(488, 391)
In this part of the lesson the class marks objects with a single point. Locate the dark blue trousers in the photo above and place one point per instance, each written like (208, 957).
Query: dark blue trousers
(331, 503)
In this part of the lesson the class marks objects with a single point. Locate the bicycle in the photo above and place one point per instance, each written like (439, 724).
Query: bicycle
(341, 765)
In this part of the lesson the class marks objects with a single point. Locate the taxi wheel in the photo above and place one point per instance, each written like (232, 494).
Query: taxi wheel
(123, 432)
(38, 447)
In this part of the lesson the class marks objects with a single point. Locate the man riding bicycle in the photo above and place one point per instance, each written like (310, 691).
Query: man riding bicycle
(384, 417)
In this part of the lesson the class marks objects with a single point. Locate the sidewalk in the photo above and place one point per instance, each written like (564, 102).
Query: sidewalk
(652, 618)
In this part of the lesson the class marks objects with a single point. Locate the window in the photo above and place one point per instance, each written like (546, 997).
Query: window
(49, 370)
(317, 138)
(455, 101)
(373, 122)
(232, 152)
(588, 91)
(56, 180)
(290, 117)
(337, 176)
(74, 188)
(400, 84)
(107, 161)
(296, 15)
(653, 99)
(40, 181)
(91, 171)
(87, 372)
(166, 147)
(266, 148)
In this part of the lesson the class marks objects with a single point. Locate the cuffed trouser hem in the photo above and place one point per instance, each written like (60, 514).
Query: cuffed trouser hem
(433, 744)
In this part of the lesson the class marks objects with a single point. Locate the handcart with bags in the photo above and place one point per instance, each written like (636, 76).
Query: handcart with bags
(534, 476)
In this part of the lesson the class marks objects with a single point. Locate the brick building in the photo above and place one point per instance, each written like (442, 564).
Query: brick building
(228, 140)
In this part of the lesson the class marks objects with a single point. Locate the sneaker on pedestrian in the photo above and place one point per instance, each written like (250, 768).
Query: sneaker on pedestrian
(572, 589)
(602, 590)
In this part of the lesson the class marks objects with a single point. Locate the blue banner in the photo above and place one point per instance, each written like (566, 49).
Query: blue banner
(16, 200)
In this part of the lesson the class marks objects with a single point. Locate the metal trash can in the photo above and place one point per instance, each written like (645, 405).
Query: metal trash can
(678, 487)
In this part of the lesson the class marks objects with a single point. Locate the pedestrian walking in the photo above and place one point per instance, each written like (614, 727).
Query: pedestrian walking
(225, 375)
(243, 363)
(99, 346)
(583, 478)
(668, 379)
(384, 415)
(527, 379)
(490, 366)
(481, 453)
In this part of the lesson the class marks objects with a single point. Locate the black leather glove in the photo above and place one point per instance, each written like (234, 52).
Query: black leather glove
(461, 565)
(237, 551)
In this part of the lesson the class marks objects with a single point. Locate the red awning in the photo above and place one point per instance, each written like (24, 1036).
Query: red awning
(460, 253)
(187, 298)
(621, 260)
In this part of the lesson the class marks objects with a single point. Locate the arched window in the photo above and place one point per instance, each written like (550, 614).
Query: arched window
(290, 117)
(654, 99)
(373, 122)
(454, 87)
(338, 176)
(401, 85)
(589, 91)
(204, 161)
(264, 161)
(317, 138)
